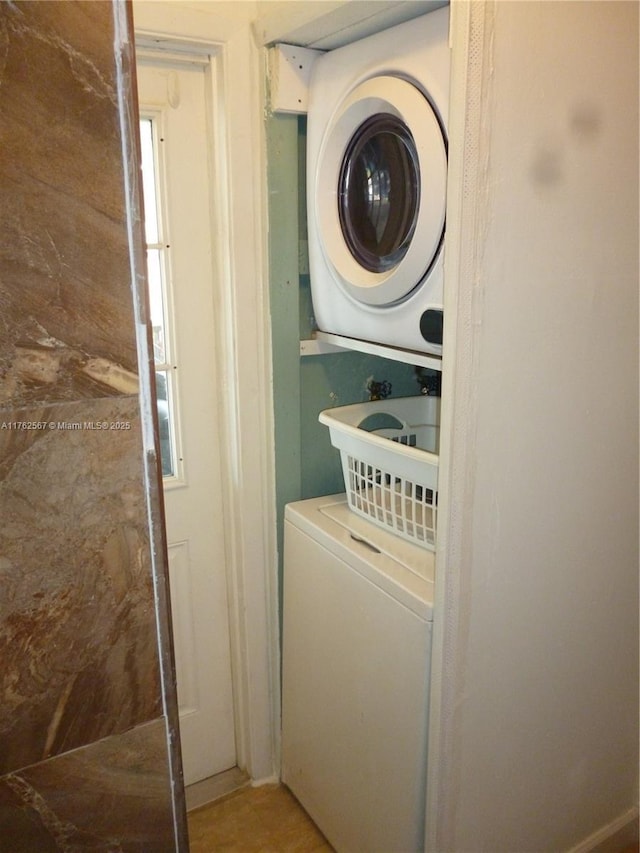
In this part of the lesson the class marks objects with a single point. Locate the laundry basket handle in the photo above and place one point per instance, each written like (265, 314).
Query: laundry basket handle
(382, 419)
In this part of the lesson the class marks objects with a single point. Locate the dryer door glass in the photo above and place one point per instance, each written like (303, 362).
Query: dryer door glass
(379, 192)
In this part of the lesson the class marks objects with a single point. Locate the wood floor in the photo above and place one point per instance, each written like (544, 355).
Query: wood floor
(267, 819)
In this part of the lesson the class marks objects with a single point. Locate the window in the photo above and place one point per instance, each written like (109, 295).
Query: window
(157, 244)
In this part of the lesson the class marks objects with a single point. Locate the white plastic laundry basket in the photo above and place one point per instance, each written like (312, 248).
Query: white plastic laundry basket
(389, 455)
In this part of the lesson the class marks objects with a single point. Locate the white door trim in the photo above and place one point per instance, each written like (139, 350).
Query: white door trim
(470, 37)
(244, 348)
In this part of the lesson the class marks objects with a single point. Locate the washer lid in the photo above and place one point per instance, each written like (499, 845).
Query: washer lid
(405, 571)
(380, 190)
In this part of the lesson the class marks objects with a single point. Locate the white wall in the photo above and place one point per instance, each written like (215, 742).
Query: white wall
(536, 738)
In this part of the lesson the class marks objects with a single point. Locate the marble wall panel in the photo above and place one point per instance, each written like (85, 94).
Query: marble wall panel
(78, 640)
(81, 765)
(110, 796)
(66, 325)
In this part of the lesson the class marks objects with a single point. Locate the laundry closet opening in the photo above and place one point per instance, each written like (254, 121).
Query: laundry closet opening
(234, 346)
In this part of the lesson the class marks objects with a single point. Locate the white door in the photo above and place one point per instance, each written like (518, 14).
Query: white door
(178, 215)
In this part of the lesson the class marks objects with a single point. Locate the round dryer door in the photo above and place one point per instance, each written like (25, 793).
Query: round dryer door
(381, 190)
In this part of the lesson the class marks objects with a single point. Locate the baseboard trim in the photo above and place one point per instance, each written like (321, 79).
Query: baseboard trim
(267, 780)
(215, 787)
(614, 837)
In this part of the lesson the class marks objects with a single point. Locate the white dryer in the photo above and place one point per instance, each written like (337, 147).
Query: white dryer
(376, 185)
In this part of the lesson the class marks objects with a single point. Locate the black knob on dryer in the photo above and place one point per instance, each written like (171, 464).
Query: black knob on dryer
(431, 326)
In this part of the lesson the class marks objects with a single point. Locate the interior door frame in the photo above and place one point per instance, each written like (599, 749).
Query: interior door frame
(244, 352)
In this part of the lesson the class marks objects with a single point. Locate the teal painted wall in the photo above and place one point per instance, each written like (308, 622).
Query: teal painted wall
(306, 463)
(282, 179)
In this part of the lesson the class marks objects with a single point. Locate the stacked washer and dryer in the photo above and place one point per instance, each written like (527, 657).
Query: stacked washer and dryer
(358, 598)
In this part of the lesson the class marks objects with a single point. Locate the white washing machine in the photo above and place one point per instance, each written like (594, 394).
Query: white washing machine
(357, 623)
(376, 184)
